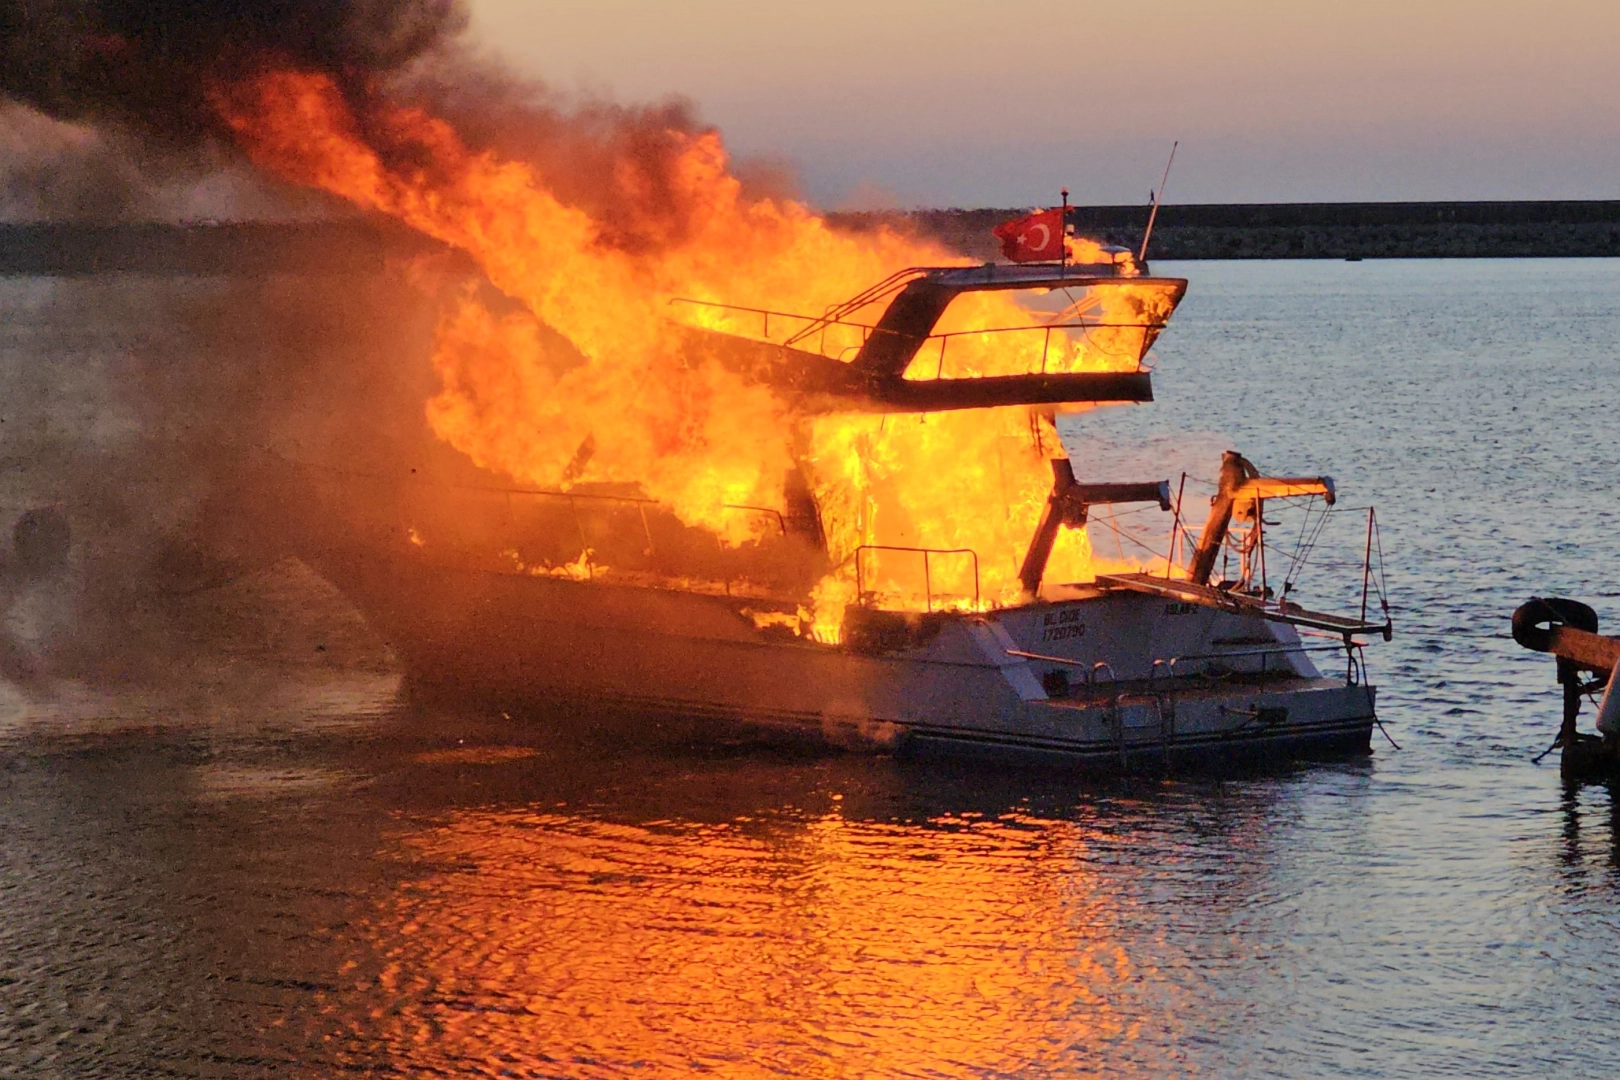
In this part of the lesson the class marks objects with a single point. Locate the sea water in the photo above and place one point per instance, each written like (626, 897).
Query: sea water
(269, 864)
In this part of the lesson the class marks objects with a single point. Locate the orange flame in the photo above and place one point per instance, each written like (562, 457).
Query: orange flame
(592, 357)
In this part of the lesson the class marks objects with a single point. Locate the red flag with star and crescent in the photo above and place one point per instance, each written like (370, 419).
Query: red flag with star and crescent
(1036, 238)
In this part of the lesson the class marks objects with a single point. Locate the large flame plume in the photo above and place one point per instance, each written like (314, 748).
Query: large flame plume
(690, 433)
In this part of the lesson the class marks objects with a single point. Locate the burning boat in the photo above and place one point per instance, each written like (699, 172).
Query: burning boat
(665, 472)
(823, 618)
(669, 475)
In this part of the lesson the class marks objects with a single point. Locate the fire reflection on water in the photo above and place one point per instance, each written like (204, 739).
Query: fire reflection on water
(826, 947)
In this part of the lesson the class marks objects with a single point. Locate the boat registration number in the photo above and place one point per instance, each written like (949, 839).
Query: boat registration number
(1063, 626)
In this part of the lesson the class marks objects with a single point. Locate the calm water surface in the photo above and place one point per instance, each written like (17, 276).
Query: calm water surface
(276, 868)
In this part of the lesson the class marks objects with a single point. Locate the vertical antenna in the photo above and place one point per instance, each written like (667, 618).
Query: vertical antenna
(1063, 234)
(1158, 198)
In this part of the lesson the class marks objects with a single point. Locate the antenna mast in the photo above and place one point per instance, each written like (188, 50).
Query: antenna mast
(1158, 198)
(1063, 231)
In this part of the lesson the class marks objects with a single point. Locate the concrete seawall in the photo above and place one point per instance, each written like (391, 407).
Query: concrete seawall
(1304, 230)
(1219, 231)
(74, 249)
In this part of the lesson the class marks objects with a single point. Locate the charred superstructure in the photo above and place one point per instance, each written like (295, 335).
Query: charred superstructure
(876, 379)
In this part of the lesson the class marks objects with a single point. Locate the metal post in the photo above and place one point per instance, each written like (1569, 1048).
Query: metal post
(1175, 528)
(584, 545)
(1063, 248)
(1158, 197)
(1366, 566)
(1260, 543)
(641, 508)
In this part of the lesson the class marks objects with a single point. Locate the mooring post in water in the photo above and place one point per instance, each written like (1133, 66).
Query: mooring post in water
(1569, 677)
(1568, 630)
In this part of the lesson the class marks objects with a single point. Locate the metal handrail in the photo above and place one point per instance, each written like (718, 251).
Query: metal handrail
(814, 323)
(928, 584)
(1169, 667)
(768, 313)
(1114, 713)
(870, 295)
(635, 500)
(777, 514)
(639, 502)
(945, 337)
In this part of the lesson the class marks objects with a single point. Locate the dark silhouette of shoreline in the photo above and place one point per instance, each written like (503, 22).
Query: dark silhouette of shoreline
(1411, 230)
(1586, 228)
(72, 249)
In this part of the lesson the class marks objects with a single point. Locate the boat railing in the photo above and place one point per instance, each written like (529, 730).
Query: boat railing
(640, 504)
(1168, 666)
(637, 503)
(1045, 330)
(865, 298)
(812, 325)
(866, 596)
(762, 511)
(1252, 587)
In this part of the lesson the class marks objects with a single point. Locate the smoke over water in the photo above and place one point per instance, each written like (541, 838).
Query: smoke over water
(150, 64)
(589, 220)
(130, 401)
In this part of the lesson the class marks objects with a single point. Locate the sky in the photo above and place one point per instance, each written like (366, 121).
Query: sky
(877, 103)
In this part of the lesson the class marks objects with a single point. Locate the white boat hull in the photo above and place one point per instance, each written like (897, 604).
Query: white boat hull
(945, 683)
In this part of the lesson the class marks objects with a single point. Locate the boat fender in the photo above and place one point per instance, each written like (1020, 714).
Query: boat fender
(1534, 620)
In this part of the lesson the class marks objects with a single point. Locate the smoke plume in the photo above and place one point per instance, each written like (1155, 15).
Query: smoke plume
(150, 64)
(588, 218)
(132, 402)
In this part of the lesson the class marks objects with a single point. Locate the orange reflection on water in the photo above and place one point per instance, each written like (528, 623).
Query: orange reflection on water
(818, 947)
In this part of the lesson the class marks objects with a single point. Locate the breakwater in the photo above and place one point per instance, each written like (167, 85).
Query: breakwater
(1411, 230)
(1215, 231)
(72, 249)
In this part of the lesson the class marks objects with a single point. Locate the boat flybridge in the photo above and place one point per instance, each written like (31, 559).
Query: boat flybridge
(598, 593)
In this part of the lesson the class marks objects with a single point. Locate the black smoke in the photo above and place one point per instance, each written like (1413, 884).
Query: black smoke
(174, 424)
(130, 402)
(150, 65)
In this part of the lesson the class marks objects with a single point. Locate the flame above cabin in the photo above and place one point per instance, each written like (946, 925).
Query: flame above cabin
(588, 383)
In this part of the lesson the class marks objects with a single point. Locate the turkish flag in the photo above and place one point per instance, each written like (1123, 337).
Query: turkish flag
(1035, 238)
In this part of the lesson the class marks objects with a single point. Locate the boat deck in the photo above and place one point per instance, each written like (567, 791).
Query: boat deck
(1237, 604)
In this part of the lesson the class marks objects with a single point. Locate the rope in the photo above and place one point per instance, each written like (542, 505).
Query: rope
(1309, 548)
(1293, 562)
(1378, 541)
(1125, 534)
